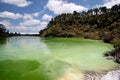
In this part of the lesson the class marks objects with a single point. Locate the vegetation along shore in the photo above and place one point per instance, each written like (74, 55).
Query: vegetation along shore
(99, 24)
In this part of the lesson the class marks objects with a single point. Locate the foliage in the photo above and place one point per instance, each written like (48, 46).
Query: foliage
(3, 31)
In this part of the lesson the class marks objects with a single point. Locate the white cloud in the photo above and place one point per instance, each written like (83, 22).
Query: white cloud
(110, 3)
(27, 16)
(24, 29)
(31, 28)
(60, 6)
(30, 22)
(11, 15)
(47, 17)
(30, 16)
(36, 14)
(43, 24)
(28, 25)
(19, 3)
(6, 23)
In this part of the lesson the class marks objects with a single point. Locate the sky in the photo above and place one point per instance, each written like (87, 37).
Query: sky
(31, 16)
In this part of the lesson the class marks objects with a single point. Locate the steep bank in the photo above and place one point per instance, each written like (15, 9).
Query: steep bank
(99, 23)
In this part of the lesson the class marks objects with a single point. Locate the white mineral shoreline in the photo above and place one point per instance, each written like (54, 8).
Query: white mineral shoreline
(105, 75)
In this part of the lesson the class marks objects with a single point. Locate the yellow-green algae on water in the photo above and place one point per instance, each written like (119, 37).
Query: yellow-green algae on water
(35, 58)
(83, 53)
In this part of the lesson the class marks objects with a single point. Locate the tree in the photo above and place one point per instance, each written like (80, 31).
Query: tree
(2, 28)
(90, 12)
(103, 10)
(115, 9)
(96, 10)
(3, 31)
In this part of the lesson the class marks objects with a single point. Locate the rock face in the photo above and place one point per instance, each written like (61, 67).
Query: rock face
(112, 75)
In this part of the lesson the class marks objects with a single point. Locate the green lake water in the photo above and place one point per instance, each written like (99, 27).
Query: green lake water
(35, 58)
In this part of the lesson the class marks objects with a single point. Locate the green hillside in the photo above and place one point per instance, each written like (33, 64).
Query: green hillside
(99, 23)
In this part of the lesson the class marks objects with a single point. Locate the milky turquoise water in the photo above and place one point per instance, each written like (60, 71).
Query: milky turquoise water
(35, 58)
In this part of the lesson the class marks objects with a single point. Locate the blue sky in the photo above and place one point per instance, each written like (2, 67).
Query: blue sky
(30, 16)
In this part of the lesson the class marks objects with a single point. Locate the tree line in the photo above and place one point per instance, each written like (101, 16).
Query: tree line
(5, 33)
(99, 23)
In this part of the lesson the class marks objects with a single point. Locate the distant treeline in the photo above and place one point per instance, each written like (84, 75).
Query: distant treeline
(5, 33)
(99, 23)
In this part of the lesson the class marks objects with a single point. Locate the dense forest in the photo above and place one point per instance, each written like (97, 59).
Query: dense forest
(99, 24)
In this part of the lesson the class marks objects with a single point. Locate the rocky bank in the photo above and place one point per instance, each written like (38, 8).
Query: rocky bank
(108, 75)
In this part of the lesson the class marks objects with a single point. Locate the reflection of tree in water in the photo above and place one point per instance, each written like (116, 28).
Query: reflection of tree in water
(16, 70)
(3, 41)
(3, 34)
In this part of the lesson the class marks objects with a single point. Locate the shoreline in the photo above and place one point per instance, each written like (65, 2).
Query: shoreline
(103, 75)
